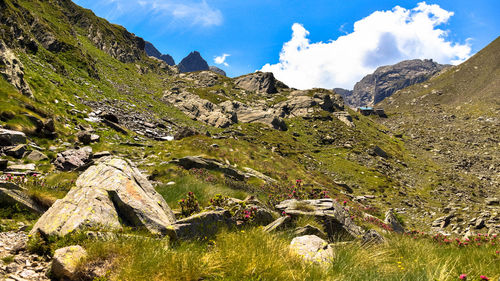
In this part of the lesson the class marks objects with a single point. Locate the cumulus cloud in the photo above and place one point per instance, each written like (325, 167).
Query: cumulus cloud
(382, 38)
(222, 59)
(183, 12)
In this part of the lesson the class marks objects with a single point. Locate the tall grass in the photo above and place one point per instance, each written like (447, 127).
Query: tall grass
(252, 254)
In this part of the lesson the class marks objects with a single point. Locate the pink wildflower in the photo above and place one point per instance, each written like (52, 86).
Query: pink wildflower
(484, 277)
(463, 276)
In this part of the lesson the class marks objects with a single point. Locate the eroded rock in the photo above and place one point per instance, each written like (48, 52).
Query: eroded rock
(108, 194)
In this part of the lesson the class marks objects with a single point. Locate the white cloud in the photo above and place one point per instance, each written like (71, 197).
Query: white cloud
(222, 59)
(382, 38)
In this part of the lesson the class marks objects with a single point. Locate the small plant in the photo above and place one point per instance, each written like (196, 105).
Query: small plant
(8, 259)
(189, 205)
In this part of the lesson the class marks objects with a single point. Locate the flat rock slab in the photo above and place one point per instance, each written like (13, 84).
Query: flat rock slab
(10, 138)
(312, 248)
(11, 195)
(337, 221)
(107, 195)
(203, 225)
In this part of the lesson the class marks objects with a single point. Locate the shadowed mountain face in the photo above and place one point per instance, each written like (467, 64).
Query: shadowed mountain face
(193, 62)
(153, 52)
(386, 80)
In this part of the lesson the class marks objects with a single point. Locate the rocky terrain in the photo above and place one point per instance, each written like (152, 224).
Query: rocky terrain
(115, 165)
(153, 52)
(386, 80)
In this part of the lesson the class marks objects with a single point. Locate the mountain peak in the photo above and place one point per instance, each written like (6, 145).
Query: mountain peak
(193, 62)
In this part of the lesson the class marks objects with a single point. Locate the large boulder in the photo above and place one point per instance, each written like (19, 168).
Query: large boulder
(74, 159)
(65, 262)
(312, 248)
(11, 138)
(336, 220)
(108, 195)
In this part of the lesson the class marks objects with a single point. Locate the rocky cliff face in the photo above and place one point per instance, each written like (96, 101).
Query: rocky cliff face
(153, 52)
(386, 80)
(193, 62)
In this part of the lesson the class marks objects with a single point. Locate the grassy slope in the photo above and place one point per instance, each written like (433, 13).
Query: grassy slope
(70, 75)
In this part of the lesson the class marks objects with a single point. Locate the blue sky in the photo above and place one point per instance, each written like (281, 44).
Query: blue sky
(257, 34)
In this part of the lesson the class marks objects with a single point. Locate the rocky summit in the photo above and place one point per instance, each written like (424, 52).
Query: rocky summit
(117, 164)
(386, 80)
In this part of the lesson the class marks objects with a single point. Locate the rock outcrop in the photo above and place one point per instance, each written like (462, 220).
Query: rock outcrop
(386, 80)
(153, 52)
(204, 224)
(108, 195)
(11, 138)
(392, 221)
(12, 70)
(336, 220)
(72, 159)
(217, 70)
(260, 82)
(13, 195)
(193, 62)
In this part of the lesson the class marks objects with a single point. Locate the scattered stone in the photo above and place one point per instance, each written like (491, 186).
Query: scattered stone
(84, 137)
(312, 248)
(65, 262)
(309, 230)
(377, 151)
(392, 221)
(253, 173)
(108, 194)
(36, 156)
(115, 126)
(11, 138)
(442, 222)
(73, 159)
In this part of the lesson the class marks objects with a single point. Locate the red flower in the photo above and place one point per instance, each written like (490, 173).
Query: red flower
(484, 277)
(463, 276)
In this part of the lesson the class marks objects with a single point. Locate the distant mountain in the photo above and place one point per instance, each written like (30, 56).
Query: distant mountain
(217, 70)
(153, 52)
(386, 80)
(193, 62)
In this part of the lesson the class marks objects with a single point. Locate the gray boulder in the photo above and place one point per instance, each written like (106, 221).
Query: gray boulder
(335, 218)
(372, 237)
(108, 194)
(11, 138)
(36, 155)
(312, 248)
(392, 221)
(65, 262)
(17, 151)
(73, 159)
